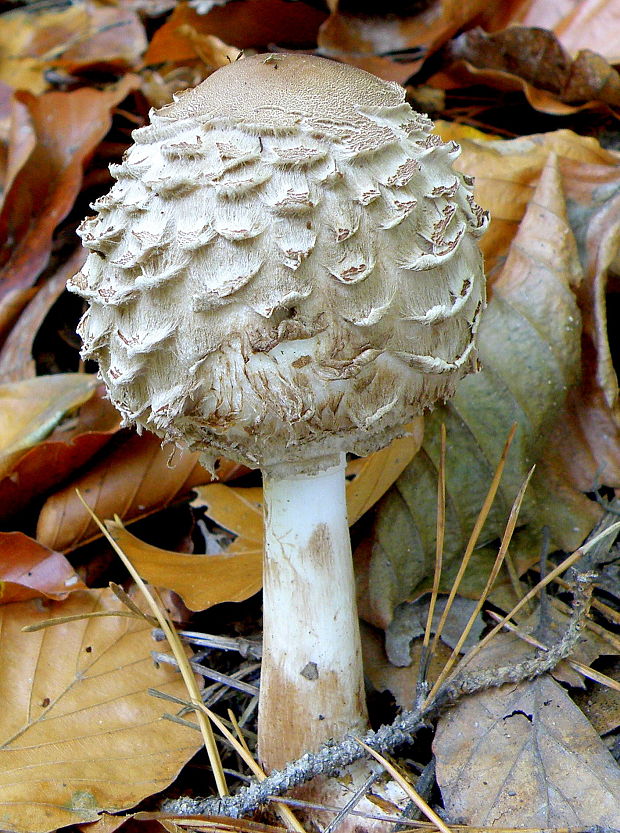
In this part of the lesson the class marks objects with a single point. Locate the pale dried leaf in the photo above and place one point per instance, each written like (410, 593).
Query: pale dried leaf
(80, 733)
(28, 570)
(137, 478)
(524, 756)
(201, 580)
(31, 409)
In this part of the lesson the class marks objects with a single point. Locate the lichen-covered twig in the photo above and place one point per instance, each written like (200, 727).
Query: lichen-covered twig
(331, 758)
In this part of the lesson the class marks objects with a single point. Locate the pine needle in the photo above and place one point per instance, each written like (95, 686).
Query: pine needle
(473, 540)
(417, 799)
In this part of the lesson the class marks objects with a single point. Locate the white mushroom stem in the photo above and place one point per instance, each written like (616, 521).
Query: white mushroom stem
(312, 686)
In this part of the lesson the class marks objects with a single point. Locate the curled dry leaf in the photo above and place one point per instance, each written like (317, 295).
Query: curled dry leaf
(84, 735)
(31, 409)
(17, 138)
(41, 467)
(578, 24)
(68, 127)
(253, 23)
(394, 46)
(36, 40)
(524, 755)
(533, 60)
(137, 478)
(29, 570)
(205, 580)
(16, 361)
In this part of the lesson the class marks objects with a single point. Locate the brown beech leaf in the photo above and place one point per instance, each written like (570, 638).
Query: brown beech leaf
(393, 46)
(578, 24)
(200, 580)
(205, 580)
(534, 60)
(65, 449)
(17, 138)
(135, 479)
(83, 734)
(35, 40)
(31, 409)
(68, 128)
(28, 570)
(16, 361)
(253, 23)
(523, 755)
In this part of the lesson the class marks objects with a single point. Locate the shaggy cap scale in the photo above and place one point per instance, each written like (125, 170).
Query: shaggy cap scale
(286, 267)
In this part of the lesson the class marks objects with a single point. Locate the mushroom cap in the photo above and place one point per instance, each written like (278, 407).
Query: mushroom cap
(286, 267)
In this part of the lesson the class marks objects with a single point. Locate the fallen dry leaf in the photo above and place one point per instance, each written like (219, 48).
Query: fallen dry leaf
(524, 756)
(31, 409)
(135, 479)
(80, 733)
(16, 360)
(68, 127)
(40, 39)
(17, 138)
(370, 477)
(394, 46)
(201, 580)
(65, 449)
(253, 23)
(578, 24)
(533, 60)
(29, 570)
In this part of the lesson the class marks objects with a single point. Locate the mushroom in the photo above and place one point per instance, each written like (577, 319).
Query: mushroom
(286, 271)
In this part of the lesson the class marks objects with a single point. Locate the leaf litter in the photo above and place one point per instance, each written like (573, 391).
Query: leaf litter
(548, 362)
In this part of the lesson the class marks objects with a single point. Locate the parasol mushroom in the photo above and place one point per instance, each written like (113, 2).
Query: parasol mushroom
(285, 271)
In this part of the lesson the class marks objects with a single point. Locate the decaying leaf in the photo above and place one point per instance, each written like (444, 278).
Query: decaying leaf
(16, 360)
(401, 682)
(532, 59)
(601, 705)
(409, 623)
(31, 409)
(578, 24)
(137, 478)
(29, 570)
(80, 733)
(525, 756)
(245, 25)
(393, 46)
(38, 39)
(37, 469)
(17, 138)
(68, 127)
